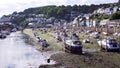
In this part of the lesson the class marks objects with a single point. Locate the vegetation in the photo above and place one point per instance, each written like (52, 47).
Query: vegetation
(115, 16)
(96, 59)
(59, 12)
(100, 16)
(63, 12)
(19, 21)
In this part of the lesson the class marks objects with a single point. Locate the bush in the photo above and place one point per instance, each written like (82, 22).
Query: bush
(115, 16)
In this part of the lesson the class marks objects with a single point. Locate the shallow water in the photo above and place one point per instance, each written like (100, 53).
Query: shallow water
(15, 53)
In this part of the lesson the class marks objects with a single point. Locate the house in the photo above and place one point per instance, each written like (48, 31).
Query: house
(104, 22)
(33, 19)
(49, 25)
(6, 18)
(50, 20)
(115, 23)
(96, 23)
(40, 15)
(107, 11)
(115, 9)
(108, 23)
(74, 14)
(101, 10)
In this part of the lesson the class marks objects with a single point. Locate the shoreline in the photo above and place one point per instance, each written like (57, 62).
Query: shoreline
(32, 42)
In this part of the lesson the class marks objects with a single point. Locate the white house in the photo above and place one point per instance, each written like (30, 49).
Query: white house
(96, 23)
(34, 19)
(6, 19)
(115, 9)
(104, 22)
(100, 10)
(107, 11)
(40, 15)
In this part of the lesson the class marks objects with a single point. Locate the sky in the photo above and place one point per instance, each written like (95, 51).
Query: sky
(9, 6)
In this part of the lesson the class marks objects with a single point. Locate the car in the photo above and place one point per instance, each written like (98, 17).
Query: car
(36, 34)
(14, 30)
(104, 33)
(109, 44)
(59, 38)
(2, 35)
(73, 46)
(39, 39)
(86, 41)
(88, 31)
(5, 32)
(95, 35)
(116, 34)
(44, 43)
(74, 36)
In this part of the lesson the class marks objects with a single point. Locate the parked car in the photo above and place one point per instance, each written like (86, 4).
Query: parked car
(109, 44)
(39, 39)
(59, 38)
(36, 34)
(86, 41)
(95, 35)
(88, 31)
(116, 34)
(2, 35)
(74, 36)
(5, 32)
(14, 30)
(73, 46)
(104, 33)
(44, 43)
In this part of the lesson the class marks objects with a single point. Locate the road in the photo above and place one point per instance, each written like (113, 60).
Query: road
(15, 53)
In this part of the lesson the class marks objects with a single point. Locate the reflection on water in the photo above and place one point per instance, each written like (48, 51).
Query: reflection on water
(15, 53)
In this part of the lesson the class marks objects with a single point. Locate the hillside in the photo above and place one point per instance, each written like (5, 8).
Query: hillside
(59, 12)
(63, 12)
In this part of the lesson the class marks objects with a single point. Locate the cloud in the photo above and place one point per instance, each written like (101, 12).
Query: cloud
(9, 6)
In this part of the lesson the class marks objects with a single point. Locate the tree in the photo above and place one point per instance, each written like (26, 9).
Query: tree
(115, 16)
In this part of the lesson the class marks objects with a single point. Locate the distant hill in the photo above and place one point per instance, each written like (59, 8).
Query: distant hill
(59, 12)
(63, 12)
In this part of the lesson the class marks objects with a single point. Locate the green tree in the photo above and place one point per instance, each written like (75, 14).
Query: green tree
(115, 16)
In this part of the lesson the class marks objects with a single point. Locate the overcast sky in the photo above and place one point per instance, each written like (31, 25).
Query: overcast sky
(9, 6)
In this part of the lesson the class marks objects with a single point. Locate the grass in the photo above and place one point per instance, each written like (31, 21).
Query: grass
(54, 44)
(94, 43)
(52, 41)
(88, 60)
